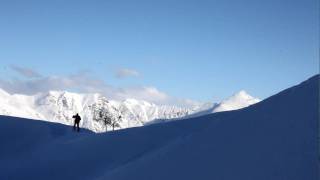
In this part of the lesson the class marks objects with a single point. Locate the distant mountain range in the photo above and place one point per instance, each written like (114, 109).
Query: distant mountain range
(59, 106)
(275, 139)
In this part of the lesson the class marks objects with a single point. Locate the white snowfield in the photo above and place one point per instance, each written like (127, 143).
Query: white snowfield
(275, 139)
(237, 101)
(60, 106)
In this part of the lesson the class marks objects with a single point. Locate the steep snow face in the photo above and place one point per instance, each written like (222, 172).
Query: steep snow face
(60, 106)
(237, 101)
(275, 139)
(19, 105)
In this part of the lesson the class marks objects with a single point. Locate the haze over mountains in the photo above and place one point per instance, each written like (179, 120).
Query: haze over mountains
(59, 106)
(277, 138)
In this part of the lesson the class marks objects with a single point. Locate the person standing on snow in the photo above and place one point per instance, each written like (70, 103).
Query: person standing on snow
(77, 120)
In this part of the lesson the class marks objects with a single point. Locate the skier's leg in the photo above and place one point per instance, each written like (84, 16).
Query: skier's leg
(78, 127)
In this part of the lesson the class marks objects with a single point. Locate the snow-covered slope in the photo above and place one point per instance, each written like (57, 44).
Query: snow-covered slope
(60, 106)
(274, 139)
(237, 101)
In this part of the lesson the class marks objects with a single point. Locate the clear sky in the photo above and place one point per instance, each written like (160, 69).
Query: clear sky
(202, 50)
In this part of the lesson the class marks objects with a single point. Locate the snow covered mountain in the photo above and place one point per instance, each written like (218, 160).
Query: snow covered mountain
(237, 101)
(60, 106)
(277, 138)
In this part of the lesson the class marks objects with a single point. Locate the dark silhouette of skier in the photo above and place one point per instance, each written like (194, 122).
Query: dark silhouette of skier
(77, 120)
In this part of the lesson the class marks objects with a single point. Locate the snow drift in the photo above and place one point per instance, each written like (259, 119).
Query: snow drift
(274, 139)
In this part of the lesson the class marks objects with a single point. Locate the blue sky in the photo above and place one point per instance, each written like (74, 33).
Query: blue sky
(200, 50)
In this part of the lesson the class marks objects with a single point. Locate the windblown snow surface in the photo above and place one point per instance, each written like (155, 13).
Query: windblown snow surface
(275, 139)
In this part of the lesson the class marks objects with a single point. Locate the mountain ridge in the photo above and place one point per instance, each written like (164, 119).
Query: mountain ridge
(273, 139)
(60, 106)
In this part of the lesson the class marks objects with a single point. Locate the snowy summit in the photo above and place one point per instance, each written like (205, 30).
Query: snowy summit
(237, 101)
